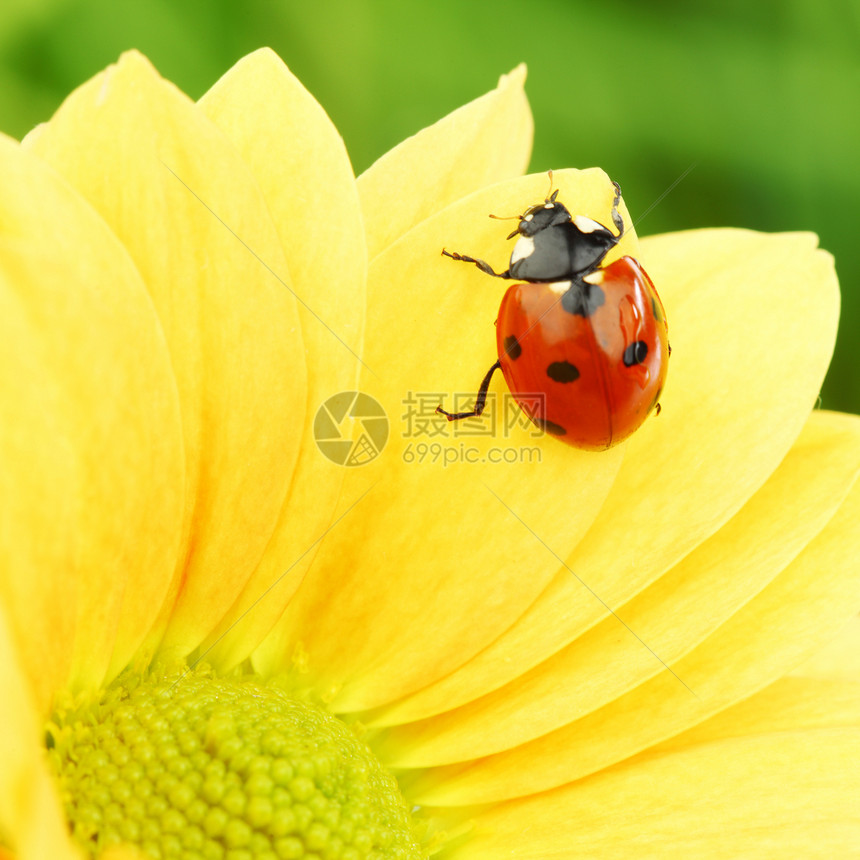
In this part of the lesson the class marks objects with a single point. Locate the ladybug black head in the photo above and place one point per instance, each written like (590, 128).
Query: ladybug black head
(540, 216)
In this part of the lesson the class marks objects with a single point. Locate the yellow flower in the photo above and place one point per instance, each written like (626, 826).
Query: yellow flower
(215, 639)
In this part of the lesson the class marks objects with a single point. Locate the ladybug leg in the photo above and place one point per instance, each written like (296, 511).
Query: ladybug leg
(480, 401)
(484, 267)
(617, 220)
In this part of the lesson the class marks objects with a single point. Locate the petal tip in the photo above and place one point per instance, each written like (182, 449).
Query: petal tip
(516, 77)
(264, 56)
(133, 59)
(130, 68)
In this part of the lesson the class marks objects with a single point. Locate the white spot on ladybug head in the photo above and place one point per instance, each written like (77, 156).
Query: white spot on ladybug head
(548, 205)
(527, 217)
(524, 248)
(586, 225)
(560, 287)
(594, 278)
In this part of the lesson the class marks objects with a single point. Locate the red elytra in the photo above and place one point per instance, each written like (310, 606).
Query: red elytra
(589, 380)
(583, 346)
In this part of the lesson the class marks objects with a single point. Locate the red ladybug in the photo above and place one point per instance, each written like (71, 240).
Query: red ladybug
(583, 347)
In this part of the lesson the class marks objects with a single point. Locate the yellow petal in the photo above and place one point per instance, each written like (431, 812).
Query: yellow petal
(90, 435)
(485, 141)
(440, 557)
(662, 623)
(183, 202)
(792, 617)
(31, 820)
(752, 321)
(301, 164)
(790, 704)
(782, 795)
(837, 660)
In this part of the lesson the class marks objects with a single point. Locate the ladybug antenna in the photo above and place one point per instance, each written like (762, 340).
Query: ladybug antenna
(550, 198)
(508, 218)
(550, 195)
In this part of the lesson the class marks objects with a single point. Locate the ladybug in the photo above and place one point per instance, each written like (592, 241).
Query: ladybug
(583, 346)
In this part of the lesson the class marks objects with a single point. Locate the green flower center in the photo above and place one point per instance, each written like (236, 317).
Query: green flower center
(197, 766)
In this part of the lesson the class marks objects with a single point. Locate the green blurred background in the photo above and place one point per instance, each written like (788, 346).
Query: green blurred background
(762, 99)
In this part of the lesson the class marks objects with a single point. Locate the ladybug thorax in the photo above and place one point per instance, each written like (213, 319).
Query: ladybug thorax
(523, 248)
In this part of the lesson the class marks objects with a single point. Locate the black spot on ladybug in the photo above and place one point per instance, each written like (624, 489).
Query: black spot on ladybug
(513, 350)
(635, 353)
(550, 426)
(563, 371)
(582, 299)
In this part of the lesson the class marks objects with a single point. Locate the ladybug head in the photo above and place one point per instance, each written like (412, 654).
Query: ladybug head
(540, 216)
